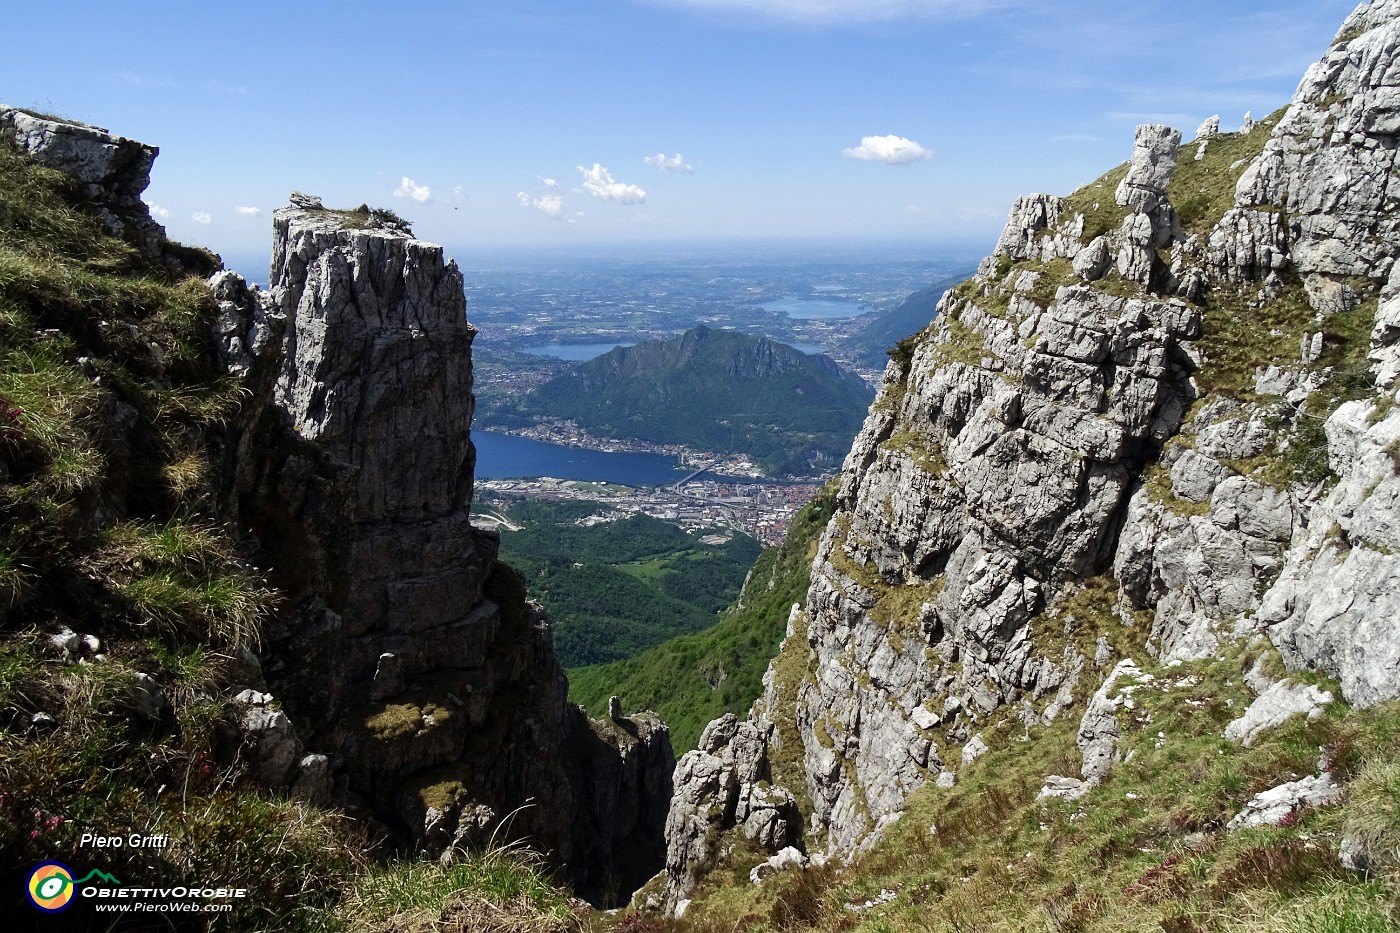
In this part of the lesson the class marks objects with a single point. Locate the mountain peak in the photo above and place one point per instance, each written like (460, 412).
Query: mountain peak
(712, 390)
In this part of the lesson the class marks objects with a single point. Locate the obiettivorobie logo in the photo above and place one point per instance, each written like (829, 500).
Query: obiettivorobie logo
(51, 886)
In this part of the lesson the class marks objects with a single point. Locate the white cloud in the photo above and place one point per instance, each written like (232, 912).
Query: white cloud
(845, 11)
(669, 165)
(250, 211)
(158, 211)
(892, 150)
(599, 182)
(550, 204)
(203, 217)
(457, 191)
(408, 189)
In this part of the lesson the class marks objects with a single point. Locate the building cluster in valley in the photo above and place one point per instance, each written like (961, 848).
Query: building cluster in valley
(762, 510)
(569, 434)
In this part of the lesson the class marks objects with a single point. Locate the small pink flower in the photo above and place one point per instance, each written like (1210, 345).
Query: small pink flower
(34, 834)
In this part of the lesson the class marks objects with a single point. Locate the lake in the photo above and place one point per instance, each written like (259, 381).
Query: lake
(809, 309)
(504, 456)
(574, 352)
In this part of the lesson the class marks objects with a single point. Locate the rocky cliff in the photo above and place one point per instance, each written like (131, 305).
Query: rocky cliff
(435, 691)
(1158, 419)
(404, 673)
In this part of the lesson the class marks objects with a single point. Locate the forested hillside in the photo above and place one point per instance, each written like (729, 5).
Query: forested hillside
(692, 679)
(616, 586)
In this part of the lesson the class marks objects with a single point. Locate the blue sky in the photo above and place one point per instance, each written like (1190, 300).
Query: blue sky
(531, 121)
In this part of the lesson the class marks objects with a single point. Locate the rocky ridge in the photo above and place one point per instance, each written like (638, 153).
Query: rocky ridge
(1156, 420)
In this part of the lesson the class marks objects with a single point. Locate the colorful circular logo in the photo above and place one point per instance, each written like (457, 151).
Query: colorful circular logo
(51, 887)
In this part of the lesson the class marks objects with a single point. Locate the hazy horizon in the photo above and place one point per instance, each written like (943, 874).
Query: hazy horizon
(543, 124)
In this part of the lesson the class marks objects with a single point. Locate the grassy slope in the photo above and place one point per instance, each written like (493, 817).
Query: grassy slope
(693, 679)
(1147, 850)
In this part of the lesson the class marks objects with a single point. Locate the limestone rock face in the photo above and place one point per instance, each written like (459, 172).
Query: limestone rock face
(1385, 335)
(409, 660)
(1193, 570)
(989, 482)
(112, 170)
(1328, 162)
(1061, 437)
(721, 785)
(1338, 595)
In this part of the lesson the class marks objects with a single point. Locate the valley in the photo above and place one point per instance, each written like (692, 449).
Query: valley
(616, 583)
(524, 300)
(539, 316)
(760, 510)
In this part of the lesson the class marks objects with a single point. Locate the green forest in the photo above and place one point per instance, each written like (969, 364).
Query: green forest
(693, 679)
(618, 587)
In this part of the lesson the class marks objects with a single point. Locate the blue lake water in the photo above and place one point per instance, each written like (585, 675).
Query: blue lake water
(808, 309)
(504, 456)
(574, 352)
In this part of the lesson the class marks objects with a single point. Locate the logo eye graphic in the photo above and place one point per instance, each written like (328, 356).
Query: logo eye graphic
(50, 887)
(53, 886)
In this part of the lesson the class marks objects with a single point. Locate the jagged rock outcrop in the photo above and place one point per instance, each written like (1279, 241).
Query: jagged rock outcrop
(1098, 730)
(1273, 806)
(994, 479)
(1063, 429)
(1210, 557)
(1276, 704)
(1144, 189)
(357, 482)
(620, 772)
(1328, 163)
(436, 696)
(724, 784)
(112, 170)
